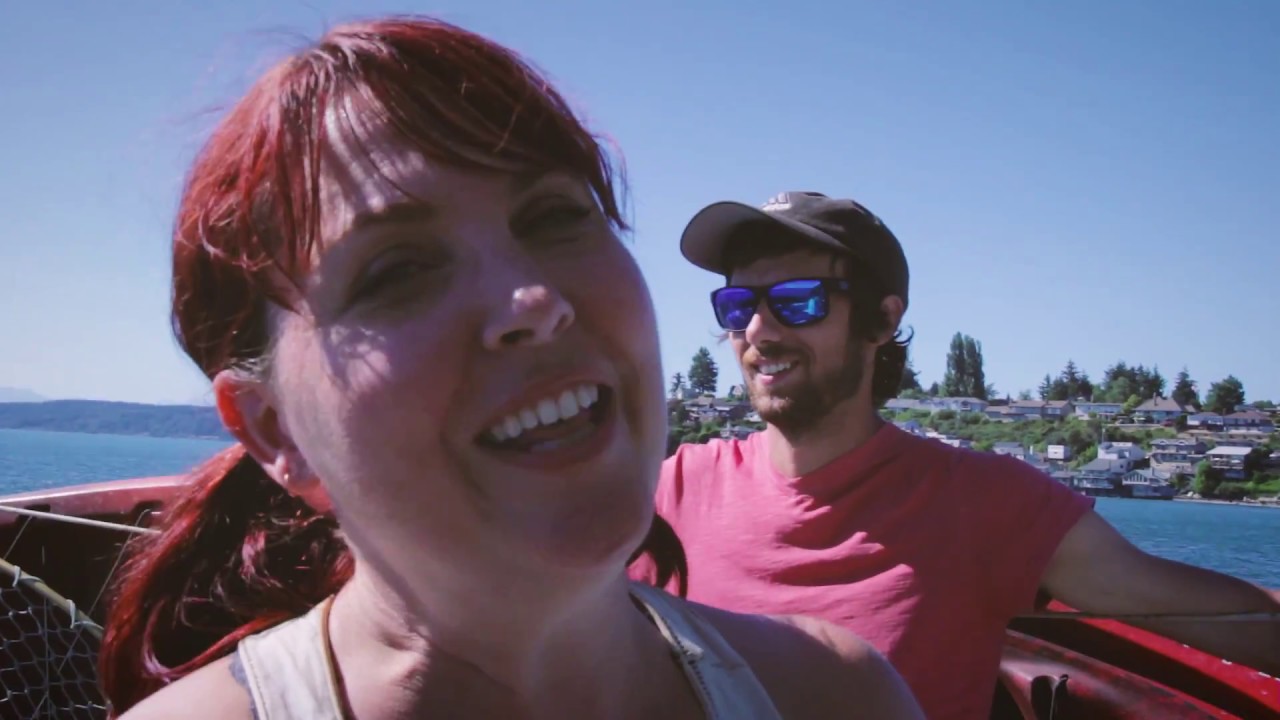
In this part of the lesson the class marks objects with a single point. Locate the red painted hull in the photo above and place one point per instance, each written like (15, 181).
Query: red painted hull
(1111, 670)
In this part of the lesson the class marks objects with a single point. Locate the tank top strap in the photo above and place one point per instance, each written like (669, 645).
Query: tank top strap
(726, 684)
(289, 669)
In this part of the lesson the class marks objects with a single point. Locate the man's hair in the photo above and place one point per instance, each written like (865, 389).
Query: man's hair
(754, 242)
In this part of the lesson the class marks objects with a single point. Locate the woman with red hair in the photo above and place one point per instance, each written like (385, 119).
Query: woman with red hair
(397, 259)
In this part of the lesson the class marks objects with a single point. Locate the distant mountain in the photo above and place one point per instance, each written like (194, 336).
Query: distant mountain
(116, 418)
(22, 395)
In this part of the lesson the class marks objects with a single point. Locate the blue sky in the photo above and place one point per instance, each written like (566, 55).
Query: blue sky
(1085, 180)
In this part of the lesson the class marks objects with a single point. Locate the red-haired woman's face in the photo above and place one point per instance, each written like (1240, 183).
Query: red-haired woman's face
(472, 376)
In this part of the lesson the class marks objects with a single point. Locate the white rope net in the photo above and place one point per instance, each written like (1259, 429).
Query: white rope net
(48, 653)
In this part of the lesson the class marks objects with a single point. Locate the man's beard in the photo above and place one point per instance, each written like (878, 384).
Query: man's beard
(808, 401)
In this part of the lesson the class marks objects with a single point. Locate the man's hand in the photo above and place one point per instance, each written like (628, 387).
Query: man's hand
(1095, 569)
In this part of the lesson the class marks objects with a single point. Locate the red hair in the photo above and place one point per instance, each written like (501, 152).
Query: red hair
(236, 553)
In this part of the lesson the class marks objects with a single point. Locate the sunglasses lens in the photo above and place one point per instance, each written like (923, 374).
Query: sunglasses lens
(734, 307)
(798, 302)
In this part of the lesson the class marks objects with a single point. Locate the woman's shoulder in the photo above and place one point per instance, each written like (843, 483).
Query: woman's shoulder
(210, 692)
(815, 669)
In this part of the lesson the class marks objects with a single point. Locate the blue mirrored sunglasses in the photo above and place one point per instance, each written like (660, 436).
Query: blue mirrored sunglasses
(795, 303)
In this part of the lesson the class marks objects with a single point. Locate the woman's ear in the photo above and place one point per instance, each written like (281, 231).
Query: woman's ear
(248, 410)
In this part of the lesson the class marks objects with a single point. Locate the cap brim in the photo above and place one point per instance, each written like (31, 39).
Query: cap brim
(708, 234)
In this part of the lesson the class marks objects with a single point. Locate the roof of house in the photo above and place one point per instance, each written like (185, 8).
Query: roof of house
(1251, 415)
(1160, 404)
(1028, 403)
(1103, 465)
(1148, 473)
(1230, 451)
(1059, 403)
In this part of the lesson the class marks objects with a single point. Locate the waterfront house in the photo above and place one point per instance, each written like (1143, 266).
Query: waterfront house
(1066, 477)
(1229, 459)
(1160, 409)
(1101, 476)
(1148, 483)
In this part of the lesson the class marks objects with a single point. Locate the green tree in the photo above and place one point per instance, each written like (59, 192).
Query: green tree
(1121, 380)
(1207, 480)
(965, 376)
(1071, 384)
(704, 376)
(1225, 395)
(1045, 390)
(1184, 390)
(1130, 404)
(677, 385)
(935, 390)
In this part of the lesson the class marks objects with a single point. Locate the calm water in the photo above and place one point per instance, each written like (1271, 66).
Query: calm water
(35, 459)
(1234, 539)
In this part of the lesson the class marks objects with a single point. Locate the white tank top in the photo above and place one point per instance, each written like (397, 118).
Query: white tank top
(290, 674)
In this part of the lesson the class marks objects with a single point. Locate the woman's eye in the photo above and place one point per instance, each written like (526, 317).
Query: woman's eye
(555, 221)
(393, 276)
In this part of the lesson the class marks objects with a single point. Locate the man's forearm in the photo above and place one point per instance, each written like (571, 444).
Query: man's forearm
(1248, 642)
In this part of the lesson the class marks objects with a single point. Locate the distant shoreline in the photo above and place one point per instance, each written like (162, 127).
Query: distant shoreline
(1204, 501)
(210, 438)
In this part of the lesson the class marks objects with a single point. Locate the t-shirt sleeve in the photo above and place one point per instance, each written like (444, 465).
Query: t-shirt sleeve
(1022, 517)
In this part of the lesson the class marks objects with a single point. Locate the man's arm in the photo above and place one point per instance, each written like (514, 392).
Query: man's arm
(1095, 569)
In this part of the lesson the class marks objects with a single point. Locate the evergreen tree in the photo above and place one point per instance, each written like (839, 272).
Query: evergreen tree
(1184, 390)
(704, 376)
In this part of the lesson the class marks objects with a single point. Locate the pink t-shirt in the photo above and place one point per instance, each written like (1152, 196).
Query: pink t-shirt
(924, 550)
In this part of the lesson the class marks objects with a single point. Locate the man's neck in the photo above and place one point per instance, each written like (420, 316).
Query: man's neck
(845, 428)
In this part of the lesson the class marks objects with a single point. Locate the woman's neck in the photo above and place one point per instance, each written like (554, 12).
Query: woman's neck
(564, 653)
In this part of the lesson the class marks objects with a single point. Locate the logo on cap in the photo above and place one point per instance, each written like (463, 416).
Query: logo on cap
(781, 201)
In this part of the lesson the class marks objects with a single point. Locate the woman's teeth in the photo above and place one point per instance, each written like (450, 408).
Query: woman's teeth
(547, 411)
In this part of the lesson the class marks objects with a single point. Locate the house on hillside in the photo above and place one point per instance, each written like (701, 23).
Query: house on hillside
(1085, 408)
(1059, 409)
(1012, 449)
(961, 404)
(1177, 454)
(1160, 409)
(1127, 453)
(1229, 459)
(1002, 413)
(902, 404)
(1251, 420)
(1205, 421)
(911, 427)
(1060, 453)
(1028, 409)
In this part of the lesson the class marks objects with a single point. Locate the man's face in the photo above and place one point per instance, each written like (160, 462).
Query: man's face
(796, 376)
